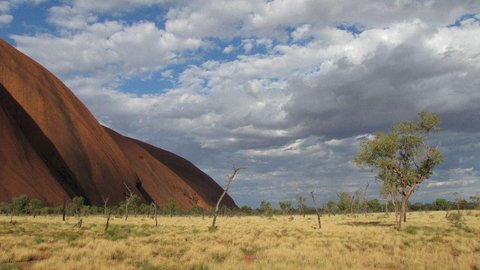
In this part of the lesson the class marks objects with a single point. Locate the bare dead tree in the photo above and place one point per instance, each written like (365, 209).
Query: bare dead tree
(108, 220)
(105, 201)
(316, 210)
(448, 211)
(352, 201)
(301, 204)
(78, 224)
(393, 197)
(365, 201)
(128, 199)
(386, 206)
(229, 183)
(458, 200)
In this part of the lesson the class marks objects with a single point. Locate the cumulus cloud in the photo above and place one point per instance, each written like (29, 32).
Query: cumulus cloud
(392, 71)
(108, 45)
(79, 14)
(7, 6)
(5, 17)
(227, 19)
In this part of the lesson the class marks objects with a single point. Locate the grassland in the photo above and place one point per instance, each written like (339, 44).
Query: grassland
(283, 242)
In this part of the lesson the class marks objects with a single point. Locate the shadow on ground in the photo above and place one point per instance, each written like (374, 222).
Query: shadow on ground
(367, 223)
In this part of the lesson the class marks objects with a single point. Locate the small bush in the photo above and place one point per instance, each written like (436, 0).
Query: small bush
(457, 220)
(199, 267)
(10, 267)
(146, 265)
(412, 229)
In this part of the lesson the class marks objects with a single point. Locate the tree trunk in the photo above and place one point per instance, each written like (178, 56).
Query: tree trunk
(229, 183)
(316, 210)
(64, 210)
(351, 204)
(403, 212)
(155, 212)
(214, 219)
(79, 224)
(386, 205)
(108, 220)
(126, 210)
(11, 213)
(105, 201)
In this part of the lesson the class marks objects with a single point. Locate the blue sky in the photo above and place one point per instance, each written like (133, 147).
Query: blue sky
(287, 88)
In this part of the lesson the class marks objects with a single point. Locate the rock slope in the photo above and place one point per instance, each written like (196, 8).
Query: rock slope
(52, 147)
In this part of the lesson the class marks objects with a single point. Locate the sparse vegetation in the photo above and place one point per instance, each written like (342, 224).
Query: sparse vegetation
(249, 242)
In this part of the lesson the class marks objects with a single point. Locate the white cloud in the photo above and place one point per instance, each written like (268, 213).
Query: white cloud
(79, 14)
(108, 45)
(5, 19)
(248, 45)
(210, 18)
(453, 183)
(301, 32)
(4, 6)
(459, 178)
(228, 49)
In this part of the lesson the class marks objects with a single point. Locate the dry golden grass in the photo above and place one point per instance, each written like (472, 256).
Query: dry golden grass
(344, 242)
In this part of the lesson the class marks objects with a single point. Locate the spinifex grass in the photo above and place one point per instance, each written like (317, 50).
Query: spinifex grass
(429, 241)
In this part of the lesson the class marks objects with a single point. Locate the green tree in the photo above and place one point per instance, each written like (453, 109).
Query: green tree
(134, 202)
(344, 201)
(5, 207)
(196, 211)
(266, 208)
(374, 205)
(475, 202)
(301, 204)
(403, 156)
(286, 206)
(20, 204)
(440, 204)
(331, 207)
(76, 205)
(459, 201)
(144, 209)
(34, 206)
(389, 191)
(170, 207)
(246, 210)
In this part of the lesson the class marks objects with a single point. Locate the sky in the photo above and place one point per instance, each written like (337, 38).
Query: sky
(287, 88)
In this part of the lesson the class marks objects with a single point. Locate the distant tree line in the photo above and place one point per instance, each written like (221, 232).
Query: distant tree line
(22, 205)
(347, 203)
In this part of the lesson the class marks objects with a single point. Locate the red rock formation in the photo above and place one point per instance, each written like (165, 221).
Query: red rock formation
(52, 147)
